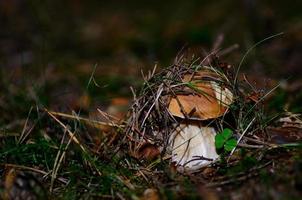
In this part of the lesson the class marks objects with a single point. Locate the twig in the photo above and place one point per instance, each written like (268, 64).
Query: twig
(232, 179)
(258, 141)
(89, 121)
(63, 180)
(246, 129)
(251, 146)
(160, 90)
(221, 183)
(228, 50)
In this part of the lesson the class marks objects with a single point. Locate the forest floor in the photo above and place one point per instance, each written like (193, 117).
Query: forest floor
(68, 82)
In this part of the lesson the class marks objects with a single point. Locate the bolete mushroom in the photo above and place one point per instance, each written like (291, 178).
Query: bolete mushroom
(192, 144)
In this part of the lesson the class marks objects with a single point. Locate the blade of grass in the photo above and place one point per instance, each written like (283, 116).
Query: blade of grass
(62, 180)
(238, 141)
(71, 134)
(86, 120)
(23, 134)
(250, 49)
(59, 158)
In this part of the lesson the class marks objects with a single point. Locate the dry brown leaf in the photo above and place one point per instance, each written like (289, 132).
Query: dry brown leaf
(150, 194)
(148, 151)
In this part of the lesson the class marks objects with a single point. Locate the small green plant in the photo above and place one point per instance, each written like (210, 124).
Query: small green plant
(224, 140)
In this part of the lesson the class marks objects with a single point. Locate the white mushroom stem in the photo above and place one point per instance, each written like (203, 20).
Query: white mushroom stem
(193, 147)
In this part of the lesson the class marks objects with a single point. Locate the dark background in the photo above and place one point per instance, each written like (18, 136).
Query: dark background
(52, 46)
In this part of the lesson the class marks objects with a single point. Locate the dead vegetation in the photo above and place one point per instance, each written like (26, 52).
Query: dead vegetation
(132, 158)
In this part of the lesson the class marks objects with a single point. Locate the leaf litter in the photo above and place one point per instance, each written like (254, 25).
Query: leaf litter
(134, 159)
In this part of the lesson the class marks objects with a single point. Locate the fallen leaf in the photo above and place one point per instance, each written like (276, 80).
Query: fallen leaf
(150, 194)
(148, 151)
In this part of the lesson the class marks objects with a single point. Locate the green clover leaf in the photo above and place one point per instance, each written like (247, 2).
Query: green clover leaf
(230, 144)
(223, 137)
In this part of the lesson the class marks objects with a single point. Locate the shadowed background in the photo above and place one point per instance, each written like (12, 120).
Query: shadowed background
(51, 47)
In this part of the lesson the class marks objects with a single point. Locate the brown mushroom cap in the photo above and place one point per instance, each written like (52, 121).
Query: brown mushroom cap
(209, 99)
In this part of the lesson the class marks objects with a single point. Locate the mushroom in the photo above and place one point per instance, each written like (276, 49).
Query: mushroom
(193, 144)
